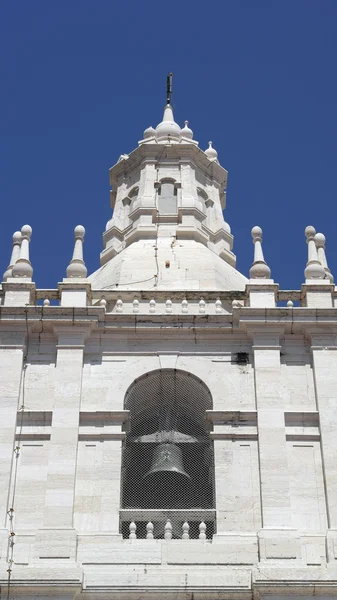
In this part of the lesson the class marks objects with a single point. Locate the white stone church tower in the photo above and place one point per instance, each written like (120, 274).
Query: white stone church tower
(168, 426)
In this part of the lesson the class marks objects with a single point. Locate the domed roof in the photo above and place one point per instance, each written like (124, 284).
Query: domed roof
(168, 127)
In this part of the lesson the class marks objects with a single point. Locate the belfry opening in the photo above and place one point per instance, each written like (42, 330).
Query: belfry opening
(168, 453)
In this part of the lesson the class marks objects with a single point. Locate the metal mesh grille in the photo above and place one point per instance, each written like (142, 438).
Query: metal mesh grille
(168, 473)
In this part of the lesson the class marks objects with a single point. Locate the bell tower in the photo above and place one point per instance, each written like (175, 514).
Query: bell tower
(168, 198)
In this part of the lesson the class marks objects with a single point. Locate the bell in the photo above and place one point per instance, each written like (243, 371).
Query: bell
(167, 459)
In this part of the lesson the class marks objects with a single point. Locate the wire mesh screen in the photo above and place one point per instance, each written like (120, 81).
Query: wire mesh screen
(168, 467)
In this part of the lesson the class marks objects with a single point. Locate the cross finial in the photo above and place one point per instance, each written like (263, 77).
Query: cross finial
(169, 87)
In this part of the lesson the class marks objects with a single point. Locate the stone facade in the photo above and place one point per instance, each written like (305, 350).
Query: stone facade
(83, 366)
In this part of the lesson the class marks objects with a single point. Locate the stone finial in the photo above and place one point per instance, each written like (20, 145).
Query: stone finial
(211, 153)
(76, 267)
(259, 268)
(103, 302)
(320, 246)
(17, 238)
(314, 269)
(23, 267)
(186, 132)
(236, 304)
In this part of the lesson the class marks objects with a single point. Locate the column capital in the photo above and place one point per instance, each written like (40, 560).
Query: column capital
(321, 338)
(69, 336)
(264, 337)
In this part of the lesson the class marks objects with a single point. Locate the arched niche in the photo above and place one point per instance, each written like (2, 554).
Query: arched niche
(167, 406)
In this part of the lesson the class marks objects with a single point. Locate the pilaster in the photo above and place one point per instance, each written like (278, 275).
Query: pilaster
(324, 353)
(57, 539)
(277, 538)
(12, 350)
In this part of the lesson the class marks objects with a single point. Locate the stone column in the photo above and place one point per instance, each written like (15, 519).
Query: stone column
(277, 539)
(12, 349)
(324, 352)
(57, 539)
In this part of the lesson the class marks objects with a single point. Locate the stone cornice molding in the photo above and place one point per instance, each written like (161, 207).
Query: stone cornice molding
(181, 152)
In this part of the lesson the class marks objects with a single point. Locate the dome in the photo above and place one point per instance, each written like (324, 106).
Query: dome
(168, 126)
(149, 132)
(186, 132)
(199, 269)
(211, 153)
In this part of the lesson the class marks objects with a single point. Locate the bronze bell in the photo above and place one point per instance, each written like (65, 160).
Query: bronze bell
(167, 458)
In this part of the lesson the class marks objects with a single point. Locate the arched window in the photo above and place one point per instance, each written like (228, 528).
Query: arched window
(206, 205)
(167, 197)
(167, 467)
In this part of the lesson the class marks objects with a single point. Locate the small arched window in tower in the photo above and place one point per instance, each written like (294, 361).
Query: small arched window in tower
(168, 466)
(167, 197)
(206, 206)
(131, 197)
(133, 194)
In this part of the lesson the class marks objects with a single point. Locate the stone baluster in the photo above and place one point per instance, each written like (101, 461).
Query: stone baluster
(149, 531)
(168, 530)
(186, 530)
(46, 302)
(76, 267)
(168, 306)
(17, 238)
(184, 306)
(152, 306)
(218, 306)
(103, 302)
(132, 529)
(202, 306)
(135, 306)
(290, 304)
(202, 531)
(23, 267)
(119, 306)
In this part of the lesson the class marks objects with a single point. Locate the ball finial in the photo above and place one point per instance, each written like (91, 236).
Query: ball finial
(26, 230)
(256, 232)
(320, 239)
(17, 237)
(79, 231)
(310, 231)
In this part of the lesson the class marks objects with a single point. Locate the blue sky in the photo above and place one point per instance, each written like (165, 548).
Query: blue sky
(82, 79)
